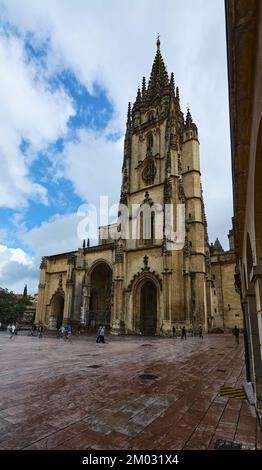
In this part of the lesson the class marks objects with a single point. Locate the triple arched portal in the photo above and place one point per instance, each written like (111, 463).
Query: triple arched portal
(144, 295)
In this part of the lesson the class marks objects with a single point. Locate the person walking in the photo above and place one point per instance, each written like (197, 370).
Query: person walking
(11, 330)
(174, 331)
(40, 331)
(200, 331)
(183, 333)
(79, 329)
(98, 339)
(236, 333)
(69, 332)
(102, 334)
(61, 332)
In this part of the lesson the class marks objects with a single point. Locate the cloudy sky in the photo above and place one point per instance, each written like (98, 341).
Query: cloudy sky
(68, 70)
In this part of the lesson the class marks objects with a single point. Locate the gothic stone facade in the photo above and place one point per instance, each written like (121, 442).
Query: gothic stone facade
(139, 286)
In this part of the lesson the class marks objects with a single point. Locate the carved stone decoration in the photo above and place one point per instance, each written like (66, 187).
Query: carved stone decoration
(167, 191)
(43, 264)
(60, 282)
(147, 199)
(173, 141)
(145, 261)
(119, 254)
(237, 280)
(141, 273)
(186, 249)
(181, 193)
(123, 198)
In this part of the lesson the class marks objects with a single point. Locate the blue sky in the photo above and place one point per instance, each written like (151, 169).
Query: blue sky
(68, 72)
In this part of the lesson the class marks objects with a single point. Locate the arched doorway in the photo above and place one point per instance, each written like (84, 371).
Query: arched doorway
(148, 308)
(58, 309)
(100, 295)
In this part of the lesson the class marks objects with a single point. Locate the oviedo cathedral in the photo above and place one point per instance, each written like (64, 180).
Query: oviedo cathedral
(139, 286)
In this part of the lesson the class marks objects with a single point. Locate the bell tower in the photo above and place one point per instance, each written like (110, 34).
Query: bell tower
(161, 167)
(154, 135)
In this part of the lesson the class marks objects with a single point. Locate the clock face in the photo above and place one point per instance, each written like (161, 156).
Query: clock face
(149, 172)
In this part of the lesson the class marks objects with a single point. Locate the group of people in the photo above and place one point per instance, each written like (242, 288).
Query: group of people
(192, 332)
(37, 331)
(65, 332)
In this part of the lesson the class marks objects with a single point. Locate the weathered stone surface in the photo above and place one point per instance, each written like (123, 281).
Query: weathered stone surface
(51, 399)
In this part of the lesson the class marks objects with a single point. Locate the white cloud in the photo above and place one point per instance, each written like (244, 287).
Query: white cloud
(17, 268)
(93, 163)
(29, 111)
(113, 43)
(57, 235)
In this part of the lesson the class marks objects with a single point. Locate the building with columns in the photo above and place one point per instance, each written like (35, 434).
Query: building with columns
(153, 269)
(244, 46)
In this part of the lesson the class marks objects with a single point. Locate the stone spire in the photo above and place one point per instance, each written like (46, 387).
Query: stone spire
(128, 120)
(138, 98)
(217, 246)
(172, 83)
(143, 88)
(189, 120)
(190, 126)
(159, 76)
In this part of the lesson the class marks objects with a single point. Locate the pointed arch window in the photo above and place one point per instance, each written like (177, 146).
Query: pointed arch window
(141, 227)
(149, 172)
(152, 226)
(150, 141)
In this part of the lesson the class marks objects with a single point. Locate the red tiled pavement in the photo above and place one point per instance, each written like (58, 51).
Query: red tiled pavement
(50, 398)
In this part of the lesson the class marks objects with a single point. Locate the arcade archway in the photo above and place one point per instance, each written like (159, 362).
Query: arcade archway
(100, 295)
(57, 309)
(148, 308)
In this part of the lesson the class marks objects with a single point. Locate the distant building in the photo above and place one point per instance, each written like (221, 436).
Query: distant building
(226, 309)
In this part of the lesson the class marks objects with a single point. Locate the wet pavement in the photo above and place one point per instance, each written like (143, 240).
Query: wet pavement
(51, 396)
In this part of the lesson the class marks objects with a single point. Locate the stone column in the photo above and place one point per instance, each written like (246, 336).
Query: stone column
(256, 345)
(116, 320)
(164, 322)
(85, 303)
(68, 301)
(247, 342)
(40, 307)
(257, 280)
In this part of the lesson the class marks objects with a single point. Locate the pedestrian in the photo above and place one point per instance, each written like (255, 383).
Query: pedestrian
(183, 333)
(102, 334)
(40, 331)
(12, 331)
(32, 331)
(200, 332)
(191, 331)
(61, 332)
(68, 332)
(236, 333)
(79, 329)
(174, 331)
(98, 339)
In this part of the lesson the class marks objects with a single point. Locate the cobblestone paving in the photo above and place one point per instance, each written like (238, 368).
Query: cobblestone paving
(50, 397)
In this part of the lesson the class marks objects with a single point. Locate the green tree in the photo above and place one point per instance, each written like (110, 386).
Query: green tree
(12, 307)
(25, 292)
